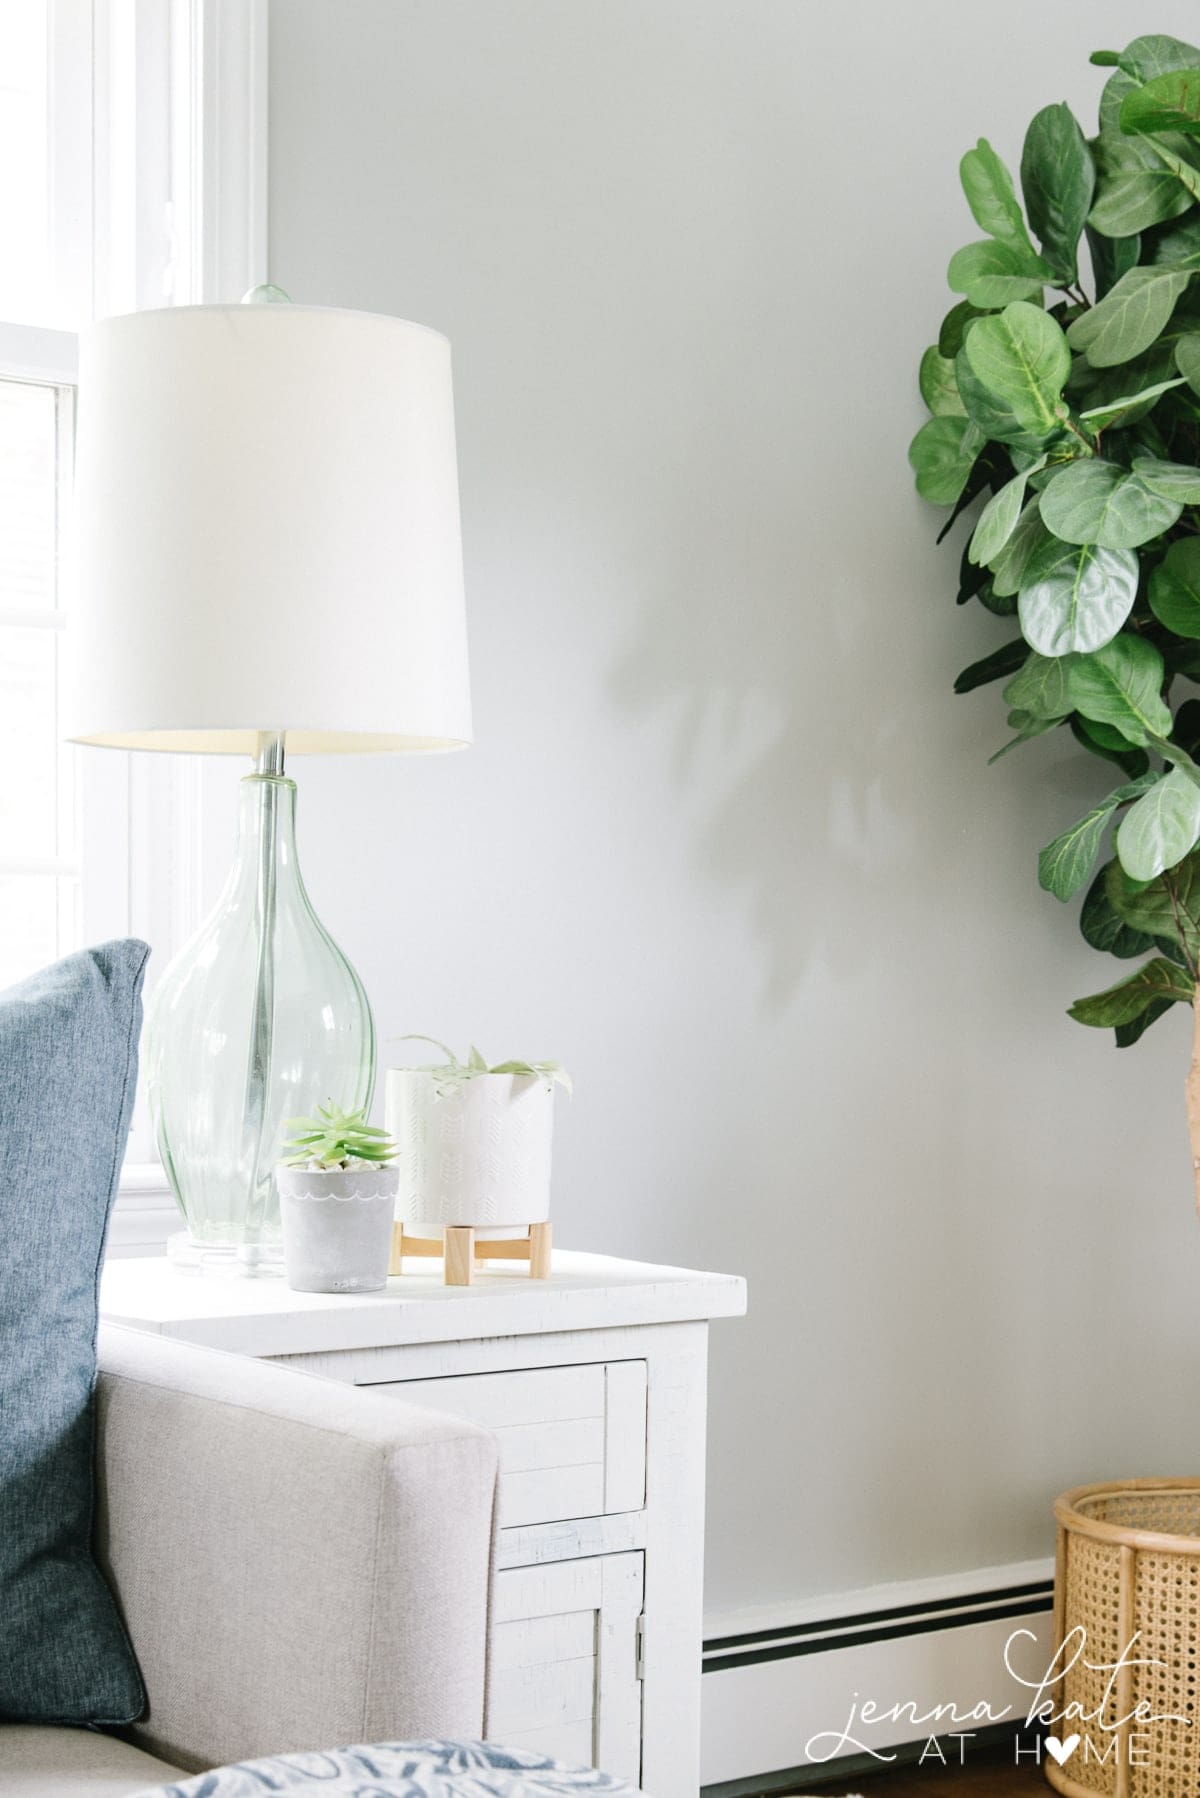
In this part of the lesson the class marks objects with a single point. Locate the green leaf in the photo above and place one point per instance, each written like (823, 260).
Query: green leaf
(1121, 684)
(1029, 536)
(1161, 828)
(1066, 863)
(1128, 408)
(1103, 928)
(1128, 1034)
(1002, 662)
(1027, 727)
(1099, 502)
(999, 517)
(1168, 908)
(1187, 360)
(989, 465)
(1155, 982)
(950, 335)
(1174, 590)
(994, 417)
(1040, 686)
(939, 389)
(1076, 597)
(1169, 102)
(1090, 386)
(1106, 735)
(1180, 165)
(475, 1060)
(1156, 54)
(1179, 481)
(992, 273)
(942, 455)
(1174, 753)
(1177, 246)
(970, 578)
(1109, 745)
(999, 605)
(1022, 357)
(989, 190)
(1058, 177)
(1111, 258)
(1129, 318)
(1115, 89)
(552, 1072)
(1133, 190)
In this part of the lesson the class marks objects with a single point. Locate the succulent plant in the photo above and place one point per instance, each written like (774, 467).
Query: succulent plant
(335, 1138)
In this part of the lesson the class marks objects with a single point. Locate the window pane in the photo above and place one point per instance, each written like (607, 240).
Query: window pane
(39, 889)
(25, 271)
(28, 494)
(28, 745)
(29, 914)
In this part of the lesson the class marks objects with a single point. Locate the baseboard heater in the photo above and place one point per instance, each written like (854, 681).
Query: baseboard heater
(779, 1702)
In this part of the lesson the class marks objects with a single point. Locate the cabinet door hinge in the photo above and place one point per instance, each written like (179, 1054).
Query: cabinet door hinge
(639, 1648)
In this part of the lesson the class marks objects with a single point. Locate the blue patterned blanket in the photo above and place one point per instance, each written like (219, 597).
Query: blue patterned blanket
(401, 1770)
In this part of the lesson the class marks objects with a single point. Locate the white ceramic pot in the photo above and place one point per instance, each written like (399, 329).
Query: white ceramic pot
(478, 1152)
(337, 1226)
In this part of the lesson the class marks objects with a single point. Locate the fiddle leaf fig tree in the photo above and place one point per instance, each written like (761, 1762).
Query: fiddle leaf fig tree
(1064, 399)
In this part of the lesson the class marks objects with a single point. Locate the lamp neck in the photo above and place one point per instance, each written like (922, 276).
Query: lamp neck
(268, 752)
(266, 863)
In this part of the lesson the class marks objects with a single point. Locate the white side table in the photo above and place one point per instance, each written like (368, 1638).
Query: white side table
(594, 1382)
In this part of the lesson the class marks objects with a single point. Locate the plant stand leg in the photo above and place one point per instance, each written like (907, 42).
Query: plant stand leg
(1193, 1096)
(539, 1251)
(459, 1255)
(396, 1259)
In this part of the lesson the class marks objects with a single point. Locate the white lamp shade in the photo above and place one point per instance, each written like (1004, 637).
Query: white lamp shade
(267, 534)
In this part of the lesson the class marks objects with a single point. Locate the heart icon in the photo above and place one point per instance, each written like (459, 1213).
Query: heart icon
(1062, 1751)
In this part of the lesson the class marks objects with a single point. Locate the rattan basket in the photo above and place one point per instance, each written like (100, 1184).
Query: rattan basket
(1129, 1566)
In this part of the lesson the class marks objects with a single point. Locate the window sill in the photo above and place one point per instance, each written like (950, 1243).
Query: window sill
(145, 1213)
(144, 1179)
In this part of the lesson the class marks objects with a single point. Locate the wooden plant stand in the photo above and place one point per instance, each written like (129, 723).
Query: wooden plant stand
(460, 1251)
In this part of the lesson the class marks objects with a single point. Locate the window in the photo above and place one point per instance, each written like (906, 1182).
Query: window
(133, 138)
(39, 799)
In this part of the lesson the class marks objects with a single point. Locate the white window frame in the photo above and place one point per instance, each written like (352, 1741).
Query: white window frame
(38, 356)
(172, 97)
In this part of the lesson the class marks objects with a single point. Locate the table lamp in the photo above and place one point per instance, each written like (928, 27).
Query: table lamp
(269, 562)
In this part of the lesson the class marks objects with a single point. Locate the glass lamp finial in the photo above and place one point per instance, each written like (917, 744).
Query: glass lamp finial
(266, 295)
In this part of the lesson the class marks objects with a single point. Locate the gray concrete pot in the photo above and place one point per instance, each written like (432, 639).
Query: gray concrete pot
(337, 1226)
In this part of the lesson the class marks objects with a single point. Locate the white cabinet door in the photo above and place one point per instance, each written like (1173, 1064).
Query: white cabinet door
(565, 1676)
(572, 1439)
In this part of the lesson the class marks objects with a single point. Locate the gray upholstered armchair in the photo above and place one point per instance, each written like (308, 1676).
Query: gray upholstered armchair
(299, 1564)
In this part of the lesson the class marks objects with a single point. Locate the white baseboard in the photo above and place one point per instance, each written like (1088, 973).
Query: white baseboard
(781, 1684)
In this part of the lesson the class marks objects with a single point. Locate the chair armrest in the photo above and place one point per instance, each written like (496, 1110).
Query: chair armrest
(300, 1563)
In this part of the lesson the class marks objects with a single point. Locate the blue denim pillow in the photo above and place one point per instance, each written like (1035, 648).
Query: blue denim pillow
(68, 1068)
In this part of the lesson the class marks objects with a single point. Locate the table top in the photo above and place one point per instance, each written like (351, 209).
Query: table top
(261, 1315)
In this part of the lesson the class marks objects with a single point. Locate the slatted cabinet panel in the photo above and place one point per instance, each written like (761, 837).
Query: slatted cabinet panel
(572, 1439)
(565, 1675)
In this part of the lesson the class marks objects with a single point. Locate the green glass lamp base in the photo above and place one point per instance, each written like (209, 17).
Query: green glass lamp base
(259, 1019)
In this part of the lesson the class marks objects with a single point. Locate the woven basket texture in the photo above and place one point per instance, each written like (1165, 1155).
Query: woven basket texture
(1165, 1609)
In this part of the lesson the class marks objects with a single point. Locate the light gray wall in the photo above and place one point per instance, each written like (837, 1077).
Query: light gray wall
(728, 843)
